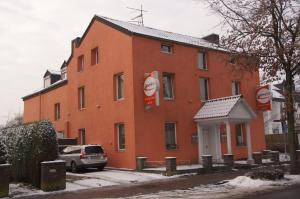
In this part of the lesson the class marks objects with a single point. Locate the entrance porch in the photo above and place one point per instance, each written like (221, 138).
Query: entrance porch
(215, 113)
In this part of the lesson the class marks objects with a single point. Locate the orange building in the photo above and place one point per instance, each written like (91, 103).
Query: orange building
(140, 91)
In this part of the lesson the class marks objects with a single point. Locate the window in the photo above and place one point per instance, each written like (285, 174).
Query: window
(170, 134)
(240, 138)
(119, 80)
(82, 136)
(165, 48)
(47, 81)
(81, 98)
(60, 134)
(235, 88)
(80, 63)
(57, 111)
(202, 64)
(64, 73)
(94, 56)
(168, 90)
(204, 89)
(121, 136)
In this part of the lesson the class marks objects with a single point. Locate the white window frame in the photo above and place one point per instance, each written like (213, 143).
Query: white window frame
(242, 136)
(235, 88)
(117, 78)
(47, 81)
(169, 75)
(175, 134)
(81, 64)
(118, 134)
(81, 137)
(57, 111)
(206, 86)
(168, 46)
(202, 65)
(81, 97)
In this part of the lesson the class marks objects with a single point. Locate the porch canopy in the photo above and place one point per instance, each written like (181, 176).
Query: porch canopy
(226, 110)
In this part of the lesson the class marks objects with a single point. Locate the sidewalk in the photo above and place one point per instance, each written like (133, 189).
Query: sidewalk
(116, 191)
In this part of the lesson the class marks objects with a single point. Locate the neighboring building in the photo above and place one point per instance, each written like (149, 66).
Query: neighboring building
(275, 119)
(100, 99)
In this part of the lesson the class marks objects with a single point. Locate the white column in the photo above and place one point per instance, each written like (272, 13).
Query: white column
(249, 145)
(229, 149)
(200, 141)
(218, 142)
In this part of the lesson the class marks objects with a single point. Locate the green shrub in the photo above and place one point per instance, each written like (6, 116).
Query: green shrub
(267, 173)
(27, 146)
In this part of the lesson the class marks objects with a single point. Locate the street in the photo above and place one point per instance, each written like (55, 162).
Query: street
(292, 192)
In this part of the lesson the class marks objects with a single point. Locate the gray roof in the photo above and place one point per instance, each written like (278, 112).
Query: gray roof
(160, 34)
(219, 107)
(44, 90)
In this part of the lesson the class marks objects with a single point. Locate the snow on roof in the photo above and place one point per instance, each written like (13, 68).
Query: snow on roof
(276, 91)
(219, 107)
(62, 81)
(54, 72)
(147, 31)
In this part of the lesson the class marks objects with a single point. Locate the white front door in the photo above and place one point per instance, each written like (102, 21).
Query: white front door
(211, 143)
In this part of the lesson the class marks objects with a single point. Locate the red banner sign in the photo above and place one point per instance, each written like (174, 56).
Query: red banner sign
(263, 98)
(151, 87)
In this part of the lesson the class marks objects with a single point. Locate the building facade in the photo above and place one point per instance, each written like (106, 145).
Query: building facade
(100, 98)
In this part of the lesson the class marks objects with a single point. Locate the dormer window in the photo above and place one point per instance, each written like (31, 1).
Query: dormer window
(64, 73)
(47, 81)
(166, 48)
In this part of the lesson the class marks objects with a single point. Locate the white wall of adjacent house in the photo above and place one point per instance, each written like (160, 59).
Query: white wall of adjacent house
(272, 119)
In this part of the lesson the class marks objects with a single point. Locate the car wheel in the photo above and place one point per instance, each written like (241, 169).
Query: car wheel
(74, 167)
(100, 168)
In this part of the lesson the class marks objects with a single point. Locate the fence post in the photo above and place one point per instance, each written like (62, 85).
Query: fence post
(5, 170)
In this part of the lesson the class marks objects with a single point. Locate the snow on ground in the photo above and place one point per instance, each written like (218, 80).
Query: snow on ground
(89, 180)
(236, 187)
(121, 177)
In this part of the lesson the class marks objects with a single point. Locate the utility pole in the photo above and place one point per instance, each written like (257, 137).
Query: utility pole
(139, 19)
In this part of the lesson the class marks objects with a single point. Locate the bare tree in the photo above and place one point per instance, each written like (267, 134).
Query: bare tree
(16, 120)
(265, 35)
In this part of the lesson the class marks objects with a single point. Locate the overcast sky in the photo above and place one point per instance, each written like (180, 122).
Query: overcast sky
(36, 35)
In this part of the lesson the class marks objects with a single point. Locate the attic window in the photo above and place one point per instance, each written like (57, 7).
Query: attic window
(166, 48)
(47, 81)
(80, 63)
(94, 56)
(64, 74)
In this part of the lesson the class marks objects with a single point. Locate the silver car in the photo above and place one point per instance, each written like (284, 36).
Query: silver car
(84, 156)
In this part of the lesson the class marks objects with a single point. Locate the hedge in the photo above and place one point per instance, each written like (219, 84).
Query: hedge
(25, 147)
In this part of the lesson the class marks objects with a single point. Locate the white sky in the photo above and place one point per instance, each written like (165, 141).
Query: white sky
(36, 35)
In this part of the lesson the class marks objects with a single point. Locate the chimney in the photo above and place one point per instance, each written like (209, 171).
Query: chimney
(212, 38)
(75, 43)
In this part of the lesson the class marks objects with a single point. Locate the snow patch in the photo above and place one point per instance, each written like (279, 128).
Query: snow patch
(244, 181)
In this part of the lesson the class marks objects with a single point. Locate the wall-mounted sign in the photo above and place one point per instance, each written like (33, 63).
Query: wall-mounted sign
(151, 89)
(263, 98)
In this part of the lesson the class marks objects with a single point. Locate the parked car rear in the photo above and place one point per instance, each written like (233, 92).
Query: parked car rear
(84, 156)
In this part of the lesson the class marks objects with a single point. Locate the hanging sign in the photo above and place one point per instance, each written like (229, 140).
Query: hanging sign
(151, 89)
(263, 98)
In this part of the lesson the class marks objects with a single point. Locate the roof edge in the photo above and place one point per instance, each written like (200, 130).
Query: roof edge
(45, 90)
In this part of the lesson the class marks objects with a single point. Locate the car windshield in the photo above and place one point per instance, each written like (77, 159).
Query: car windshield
(93, 149)
(71, 150)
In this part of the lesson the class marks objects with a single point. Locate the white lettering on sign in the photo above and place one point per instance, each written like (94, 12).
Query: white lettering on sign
(263, 95)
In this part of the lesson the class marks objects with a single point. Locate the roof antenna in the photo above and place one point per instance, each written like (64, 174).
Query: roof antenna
(140, 18)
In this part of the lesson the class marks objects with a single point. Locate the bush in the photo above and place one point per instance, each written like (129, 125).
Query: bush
(27, 146)
(3, 151)
(267, 173)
